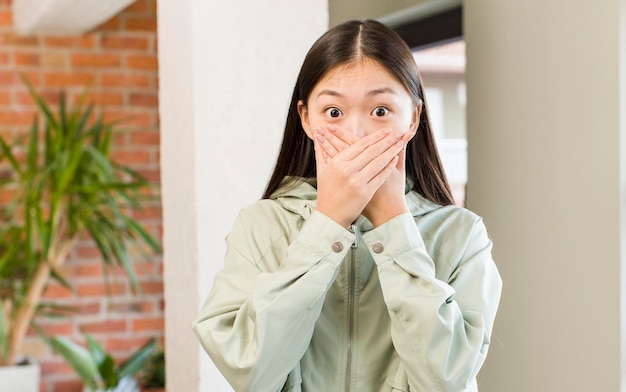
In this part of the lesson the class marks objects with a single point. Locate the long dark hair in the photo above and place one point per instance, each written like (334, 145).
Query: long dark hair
(349, 42)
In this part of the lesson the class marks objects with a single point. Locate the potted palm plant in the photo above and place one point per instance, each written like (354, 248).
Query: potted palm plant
(98, 369)
(153, 373)
(63, 185)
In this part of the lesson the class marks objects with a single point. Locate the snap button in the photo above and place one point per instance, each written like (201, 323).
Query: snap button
(337, 247)
(378, 247)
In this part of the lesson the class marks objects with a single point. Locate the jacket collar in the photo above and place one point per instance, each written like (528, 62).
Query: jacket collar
(299, 196)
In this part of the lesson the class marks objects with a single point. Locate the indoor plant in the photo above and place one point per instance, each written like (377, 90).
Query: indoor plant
(97, 368)
(64, 185)
(153, 374)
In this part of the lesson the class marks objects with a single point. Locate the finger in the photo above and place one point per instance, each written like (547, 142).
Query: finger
(346, 136)
(376, 181)
(402, 155)
(324, 144)
(362, 144)
(375, 150)
(320, 155)
(378, 164)
(401, 165)
(332, 139)
(407, 136)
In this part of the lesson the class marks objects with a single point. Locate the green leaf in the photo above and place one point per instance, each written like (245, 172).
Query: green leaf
(83, 97)
(28, 225)
(7, 181)
(48, 145)
(42, 227)
(105, 146)
(147, 237)
(102, 243)
(41, 104)
(3, 335)
(103, 163)
(78, 358)
(54, 310)
(136, 361)
(95, 350)
(83, 120)
(69, 169)
(60, 279)
(62, 111)
(133, 173)
(108, 373)
(9, 254)
(33, 146)
(95, 188)
(6, 150)
(121, 254)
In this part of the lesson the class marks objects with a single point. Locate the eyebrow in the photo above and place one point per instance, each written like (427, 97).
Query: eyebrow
(384, 90)
(332, 93)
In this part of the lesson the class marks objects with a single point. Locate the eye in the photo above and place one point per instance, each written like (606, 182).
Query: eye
(333, 112)
(380, 111)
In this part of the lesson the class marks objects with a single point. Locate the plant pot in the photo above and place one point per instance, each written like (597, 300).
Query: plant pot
(22, 378)
(126, 384)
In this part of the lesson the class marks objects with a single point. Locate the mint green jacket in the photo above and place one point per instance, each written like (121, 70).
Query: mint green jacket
(303, 304)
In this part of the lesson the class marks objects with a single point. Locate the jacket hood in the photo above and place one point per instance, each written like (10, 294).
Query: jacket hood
(299, 196)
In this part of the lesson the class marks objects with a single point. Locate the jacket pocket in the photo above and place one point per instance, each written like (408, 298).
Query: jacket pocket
(400, 381)
(396, 386)
(294, 381)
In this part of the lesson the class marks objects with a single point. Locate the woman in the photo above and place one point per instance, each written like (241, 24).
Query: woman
(355, 272)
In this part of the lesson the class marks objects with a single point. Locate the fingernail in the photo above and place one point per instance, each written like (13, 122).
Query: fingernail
(387, 131)
(331, 128)
(321, 131)
(320, 139)
(399, 144)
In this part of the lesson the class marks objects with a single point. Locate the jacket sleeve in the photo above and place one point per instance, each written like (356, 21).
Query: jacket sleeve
(258, 319)
(441, 330)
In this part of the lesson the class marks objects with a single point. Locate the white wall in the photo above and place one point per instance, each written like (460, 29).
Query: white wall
(546, 170)
(227, 70)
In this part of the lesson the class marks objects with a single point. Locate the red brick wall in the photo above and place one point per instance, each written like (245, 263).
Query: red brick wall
(119, 60)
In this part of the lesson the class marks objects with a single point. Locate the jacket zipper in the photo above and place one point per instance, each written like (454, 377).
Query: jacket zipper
(351, 295)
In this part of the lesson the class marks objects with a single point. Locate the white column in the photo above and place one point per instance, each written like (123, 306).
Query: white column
(227, 70)
(546, 133)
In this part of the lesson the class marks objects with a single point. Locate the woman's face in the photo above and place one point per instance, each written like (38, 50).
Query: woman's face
(361, 97)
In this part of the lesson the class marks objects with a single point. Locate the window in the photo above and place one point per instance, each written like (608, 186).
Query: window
(442, 69)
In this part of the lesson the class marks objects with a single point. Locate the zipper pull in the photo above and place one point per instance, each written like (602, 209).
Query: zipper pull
(354, 229)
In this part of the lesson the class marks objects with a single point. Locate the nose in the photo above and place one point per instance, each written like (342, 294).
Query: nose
(356, 125)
